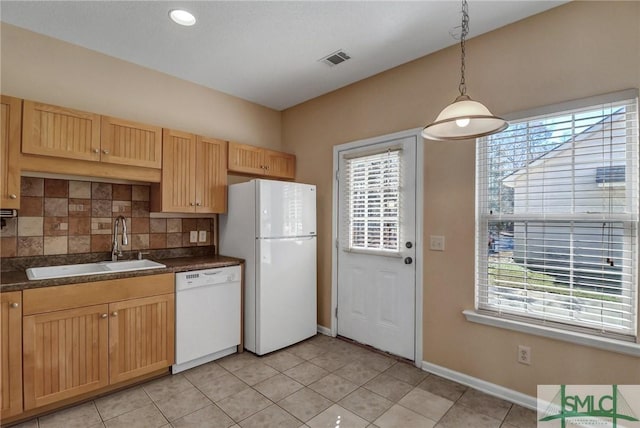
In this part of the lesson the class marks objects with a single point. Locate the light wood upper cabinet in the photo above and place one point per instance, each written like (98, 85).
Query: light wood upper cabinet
(61, 132)
(10, 121)
(65, 354)
(193, 175)
(245, 159)
(211, 175)
(82, 337)
(279, 164)
(10, 353)
(129, 143)
(56, 131)
(141, 336)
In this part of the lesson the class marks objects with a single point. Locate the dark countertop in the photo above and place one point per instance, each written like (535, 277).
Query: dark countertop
(17, 280)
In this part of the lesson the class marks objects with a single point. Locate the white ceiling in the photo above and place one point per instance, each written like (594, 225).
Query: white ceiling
(265, 51)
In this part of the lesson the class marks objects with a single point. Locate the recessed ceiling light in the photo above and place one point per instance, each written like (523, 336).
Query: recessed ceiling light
(182, 17)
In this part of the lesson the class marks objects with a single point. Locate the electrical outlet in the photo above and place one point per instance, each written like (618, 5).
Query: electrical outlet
(436, 243)
(524, 354)
(193, 236)
(202, 236)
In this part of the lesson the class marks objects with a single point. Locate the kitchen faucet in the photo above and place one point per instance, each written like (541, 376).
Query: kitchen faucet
(116, 251)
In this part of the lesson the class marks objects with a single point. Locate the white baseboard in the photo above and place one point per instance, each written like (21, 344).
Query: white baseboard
(516, 397)
(324, 330)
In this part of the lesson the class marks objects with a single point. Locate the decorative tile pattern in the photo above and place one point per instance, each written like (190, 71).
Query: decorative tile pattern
(80, 210)
(54, 188)
(31, 206)
(31, 186)
(80, 189)
(101, 191)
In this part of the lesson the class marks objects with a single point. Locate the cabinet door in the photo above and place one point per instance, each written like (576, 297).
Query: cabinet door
(58, 131)
(10, 354)
(246, 159)
(65, 354)
(281, 165)
(129, 143)
(211, 176)
(10, 121)
(141, 336)
(178, 171)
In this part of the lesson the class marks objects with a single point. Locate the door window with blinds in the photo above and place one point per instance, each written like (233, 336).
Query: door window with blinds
(557, 218)
(372, 202)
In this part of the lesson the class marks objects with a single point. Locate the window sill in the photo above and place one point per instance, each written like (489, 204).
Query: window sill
(627, 348)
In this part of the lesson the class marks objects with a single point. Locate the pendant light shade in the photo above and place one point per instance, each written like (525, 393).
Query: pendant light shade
(464, 118)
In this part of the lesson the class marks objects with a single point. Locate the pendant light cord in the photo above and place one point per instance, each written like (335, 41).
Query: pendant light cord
(463, 36)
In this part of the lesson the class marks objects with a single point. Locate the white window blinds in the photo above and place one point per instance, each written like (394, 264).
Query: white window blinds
(372, 201)
(557, 219)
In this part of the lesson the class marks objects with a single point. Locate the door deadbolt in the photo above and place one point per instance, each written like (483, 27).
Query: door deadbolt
(408, 244)
(408, 260)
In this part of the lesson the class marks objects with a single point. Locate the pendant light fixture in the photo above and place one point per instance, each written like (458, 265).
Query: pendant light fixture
(464, 118)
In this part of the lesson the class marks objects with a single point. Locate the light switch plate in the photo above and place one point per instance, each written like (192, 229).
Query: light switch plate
(436, 243)
(202, 236)
(193, 236)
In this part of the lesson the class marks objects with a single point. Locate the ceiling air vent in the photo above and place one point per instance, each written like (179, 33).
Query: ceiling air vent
(335, 58)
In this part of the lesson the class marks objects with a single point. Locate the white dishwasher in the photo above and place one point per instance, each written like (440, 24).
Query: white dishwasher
(207, 315)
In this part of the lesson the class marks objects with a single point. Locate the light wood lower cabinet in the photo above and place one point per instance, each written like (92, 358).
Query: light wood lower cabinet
(10, 354)
(65, 354)
(83, 337)
(141, 336)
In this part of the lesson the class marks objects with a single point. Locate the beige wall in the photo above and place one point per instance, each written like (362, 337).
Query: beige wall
(573, 51)
(48, 70)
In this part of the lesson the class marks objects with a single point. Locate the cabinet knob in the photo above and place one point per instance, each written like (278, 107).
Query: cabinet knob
(96, 150)
(114, 313)
(14, 305)
(191, 203)
(105, 151)
(12, 196)
(103, 316)
(267, 167)
(198, 204)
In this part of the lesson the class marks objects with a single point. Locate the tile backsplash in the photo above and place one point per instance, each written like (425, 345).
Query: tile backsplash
(69, 217)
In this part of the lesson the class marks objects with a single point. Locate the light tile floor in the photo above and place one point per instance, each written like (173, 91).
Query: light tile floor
(321, 382)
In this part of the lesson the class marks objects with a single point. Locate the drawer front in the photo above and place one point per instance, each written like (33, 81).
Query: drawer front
(48, 299)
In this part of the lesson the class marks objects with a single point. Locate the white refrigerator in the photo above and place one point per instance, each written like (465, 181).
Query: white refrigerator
(272, 226)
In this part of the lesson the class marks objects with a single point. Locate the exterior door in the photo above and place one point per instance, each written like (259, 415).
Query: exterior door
(376, 274)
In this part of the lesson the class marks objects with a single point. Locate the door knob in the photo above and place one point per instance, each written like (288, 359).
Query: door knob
(408, 260)
(408, 244)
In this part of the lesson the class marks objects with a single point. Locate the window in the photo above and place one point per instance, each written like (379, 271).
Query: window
(557, 218)
(373, 202)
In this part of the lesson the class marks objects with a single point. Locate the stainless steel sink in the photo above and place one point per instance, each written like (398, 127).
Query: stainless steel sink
(63, 271)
